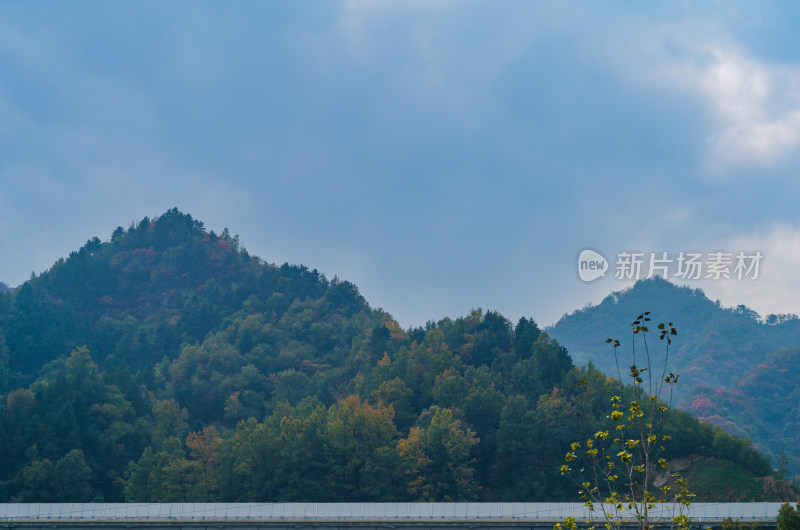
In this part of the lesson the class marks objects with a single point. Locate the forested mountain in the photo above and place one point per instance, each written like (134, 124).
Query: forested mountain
(762, 403)
(168, 364)
(734, 367)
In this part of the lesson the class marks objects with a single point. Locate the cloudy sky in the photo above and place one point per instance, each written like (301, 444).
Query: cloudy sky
(442, 155)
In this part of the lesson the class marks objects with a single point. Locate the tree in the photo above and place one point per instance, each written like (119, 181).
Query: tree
(358, 446)
(297, 431)
(788, 517)
(170, 420)
(35, 482)
(550, 360)
(525, 334)
(618, 462)
(160, 476)
(518, 459)
(73, 478)
(438, 461)
(204, 451)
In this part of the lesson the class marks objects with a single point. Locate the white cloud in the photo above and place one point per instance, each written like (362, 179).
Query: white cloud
(777, 287)
(755, 103)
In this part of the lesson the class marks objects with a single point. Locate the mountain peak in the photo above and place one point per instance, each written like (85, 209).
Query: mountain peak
(653, 288)
(714, 343)
(168, 268)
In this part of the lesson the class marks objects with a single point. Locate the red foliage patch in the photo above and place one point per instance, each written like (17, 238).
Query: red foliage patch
(703, 407)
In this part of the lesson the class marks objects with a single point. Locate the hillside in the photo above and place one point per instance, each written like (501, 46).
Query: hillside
(728, 358)
(168, 364)
(761, 404)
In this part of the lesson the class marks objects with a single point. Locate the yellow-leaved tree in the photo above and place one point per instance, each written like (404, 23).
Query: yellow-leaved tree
(615, 466)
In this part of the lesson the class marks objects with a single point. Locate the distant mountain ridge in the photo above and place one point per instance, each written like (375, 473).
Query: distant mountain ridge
(4, 287)
(719, 353)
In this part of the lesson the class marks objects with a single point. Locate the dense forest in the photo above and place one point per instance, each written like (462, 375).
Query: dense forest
(168, 364)
(737, 368)
(763, 404)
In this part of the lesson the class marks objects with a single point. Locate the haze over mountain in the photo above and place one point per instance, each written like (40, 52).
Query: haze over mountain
(168, 364)
(737, 369)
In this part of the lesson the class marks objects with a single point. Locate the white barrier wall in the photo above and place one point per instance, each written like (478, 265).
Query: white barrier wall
(502, 511)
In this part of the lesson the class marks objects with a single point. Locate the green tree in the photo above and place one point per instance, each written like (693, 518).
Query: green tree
(73, 478)
(550, 360)
(788, 517)
(35, 482)
(160, 476)
(518, 455)
(394, 393)
(525, 334)
(170, 420)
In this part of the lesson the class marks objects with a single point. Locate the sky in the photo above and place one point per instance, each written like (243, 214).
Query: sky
(442, 155)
